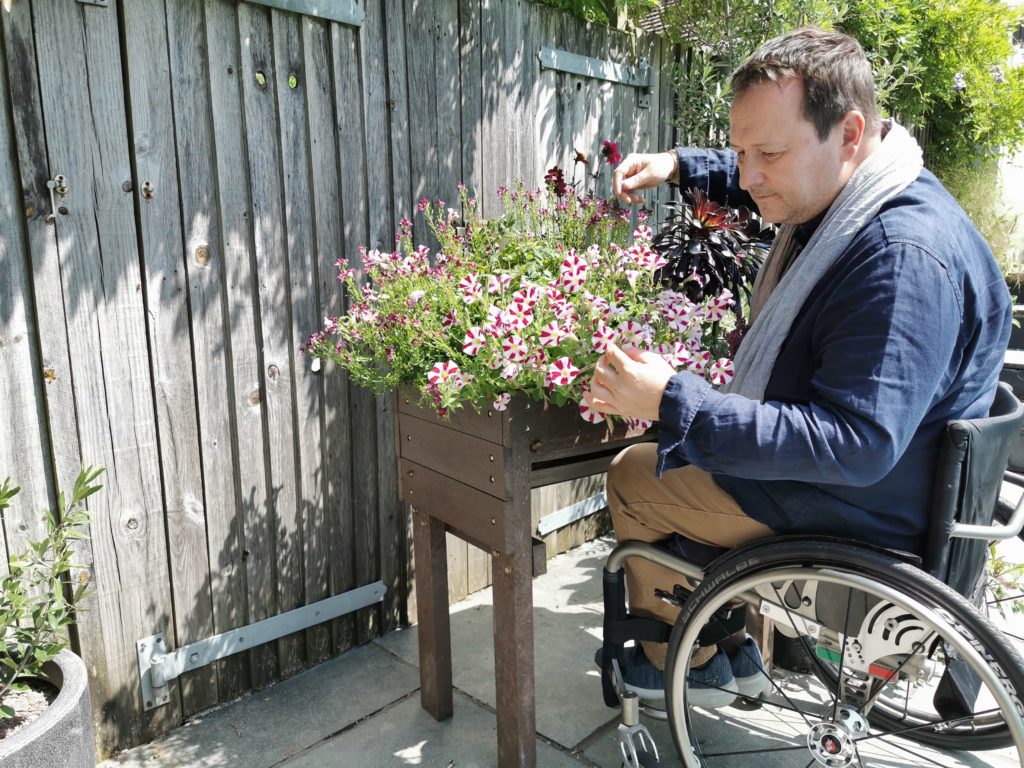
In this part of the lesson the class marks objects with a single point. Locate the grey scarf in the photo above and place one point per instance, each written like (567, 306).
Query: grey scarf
(777, 298)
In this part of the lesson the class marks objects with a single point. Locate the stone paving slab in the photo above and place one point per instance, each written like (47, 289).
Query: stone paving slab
(568, 612)
(269, 726)
(405, 735)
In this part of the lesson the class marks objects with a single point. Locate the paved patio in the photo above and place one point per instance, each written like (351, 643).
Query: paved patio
(362, 710)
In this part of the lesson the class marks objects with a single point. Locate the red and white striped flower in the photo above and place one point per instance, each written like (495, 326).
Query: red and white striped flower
(511, 370)
(590, 414)
(643, 234)
(551, 334)
(564, 311)
(638, 425)
(474, 341)
(602, 337)
(721, 371)
(562, 373)
(553, 293)
(675, 354)
(633, 334)
(718, 307)
(514, 348)
(517, 316)
(573, 272)
(471, 289)
(446, 375)
(501, 402)
(699, 362)
(528, 295)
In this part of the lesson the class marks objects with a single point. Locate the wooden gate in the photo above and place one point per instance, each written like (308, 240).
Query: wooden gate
(218, 157)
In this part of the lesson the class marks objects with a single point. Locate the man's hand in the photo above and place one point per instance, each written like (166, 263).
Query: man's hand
(629, 382)
(638, 172)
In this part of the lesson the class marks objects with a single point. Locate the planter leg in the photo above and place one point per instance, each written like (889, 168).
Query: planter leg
(435, 637)
(513, 659)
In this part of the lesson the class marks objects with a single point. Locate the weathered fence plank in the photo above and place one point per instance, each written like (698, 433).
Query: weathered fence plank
(259, 99)
(300, 283)
(25, 444)
(210, 332)
(360, 534)
(319, 526)
(170, 350)
(247, 522)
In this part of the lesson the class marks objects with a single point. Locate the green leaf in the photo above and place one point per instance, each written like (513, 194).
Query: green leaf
(6, 712)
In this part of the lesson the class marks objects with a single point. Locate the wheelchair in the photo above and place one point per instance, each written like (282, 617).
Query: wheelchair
(899, 655)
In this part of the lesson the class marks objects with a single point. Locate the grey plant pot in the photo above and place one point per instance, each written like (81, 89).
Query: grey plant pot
(63, 734)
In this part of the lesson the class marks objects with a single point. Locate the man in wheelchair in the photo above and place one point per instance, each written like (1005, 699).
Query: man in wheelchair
(879, 317)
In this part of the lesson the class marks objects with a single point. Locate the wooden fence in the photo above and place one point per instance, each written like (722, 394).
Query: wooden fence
(219, 157)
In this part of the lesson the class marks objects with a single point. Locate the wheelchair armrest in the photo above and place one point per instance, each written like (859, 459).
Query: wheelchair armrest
(996, 531)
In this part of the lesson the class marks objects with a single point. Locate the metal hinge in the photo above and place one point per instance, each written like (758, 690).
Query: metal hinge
(158, 666)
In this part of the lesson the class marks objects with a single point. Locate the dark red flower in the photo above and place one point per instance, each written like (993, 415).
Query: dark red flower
(610, 152)
(581, 158)
(555, 181)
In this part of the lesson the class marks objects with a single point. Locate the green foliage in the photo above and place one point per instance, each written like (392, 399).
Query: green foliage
(35, 607)
(718, 36)
(605, 11)
(945, 65)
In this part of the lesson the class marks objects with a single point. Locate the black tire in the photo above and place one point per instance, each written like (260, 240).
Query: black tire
(888, 582)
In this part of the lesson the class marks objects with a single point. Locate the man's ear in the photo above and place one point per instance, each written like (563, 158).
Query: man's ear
(852, 127)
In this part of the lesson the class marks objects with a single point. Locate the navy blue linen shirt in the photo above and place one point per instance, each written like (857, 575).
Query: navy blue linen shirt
(904, 333)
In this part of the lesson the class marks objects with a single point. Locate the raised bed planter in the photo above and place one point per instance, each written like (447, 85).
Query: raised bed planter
(471, 476)
(63, 734)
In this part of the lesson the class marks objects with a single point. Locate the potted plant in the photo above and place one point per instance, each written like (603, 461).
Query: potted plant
(529, 301)
(36, 609)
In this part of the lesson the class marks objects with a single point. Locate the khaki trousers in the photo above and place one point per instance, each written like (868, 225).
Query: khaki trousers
(647, 508)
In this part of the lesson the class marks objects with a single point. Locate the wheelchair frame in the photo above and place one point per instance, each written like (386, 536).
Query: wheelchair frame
(930, 602)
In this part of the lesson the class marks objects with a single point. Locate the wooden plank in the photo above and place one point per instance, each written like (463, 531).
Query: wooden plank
(512, 576)
(382, 218)
(487, 424)
(434, 624)
(100, 279)
(478, 562)
(296, 523)
(462, 457)
(321, 539)
(167, 306)
(205, 269)
(342, 483)
(249, 521)
(259, 97)
(359, 561)
(26, 459)
(420, 41)
(476, 516)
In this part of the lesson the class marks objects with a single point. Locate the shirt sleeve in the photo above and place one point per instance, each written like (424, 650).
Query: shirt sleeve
(714, 171)
(885, 349)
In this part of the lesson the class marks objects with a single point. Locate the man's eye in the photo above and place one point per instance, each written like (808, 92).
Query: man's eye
(770, 155)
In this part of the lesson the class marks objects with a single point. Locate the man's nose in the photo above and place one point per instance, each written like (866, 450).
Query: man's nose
(751, 175)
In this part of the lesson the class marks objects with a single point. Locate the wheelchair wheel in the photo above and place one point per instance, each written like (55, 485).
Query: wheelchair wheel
(888, 633)
(1004, 594)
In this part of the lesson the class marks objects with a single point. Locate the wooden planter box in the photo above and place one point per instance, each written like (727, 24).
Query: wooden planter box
(471, 476)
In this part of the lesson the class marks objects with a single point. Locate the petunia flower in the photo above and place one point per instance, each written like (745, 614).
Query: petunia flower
(501, 402)
(514, 348)
(446, 375)
(562, 373)
(473, 342)
(721, 371)
(551, 334)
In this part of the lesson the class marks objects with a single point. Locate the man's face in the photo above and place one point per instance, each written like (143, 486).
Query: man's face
(791, 174)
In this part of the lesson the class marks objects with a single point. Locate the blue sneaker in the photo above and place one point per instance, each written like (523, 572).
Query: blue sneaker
(713, 685)
(748, 668)
(640, 675)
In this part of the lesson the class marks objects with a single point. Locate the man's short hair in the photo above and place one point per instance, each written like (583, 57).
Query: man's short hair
(836, 74)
